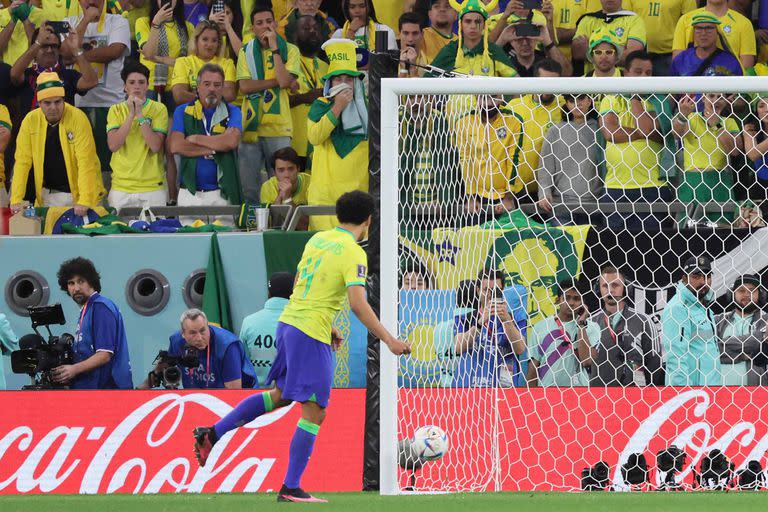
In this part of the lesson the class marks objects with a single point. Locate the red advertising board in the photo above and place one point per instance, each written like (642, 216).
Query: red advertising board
(141, 442)
(543, 438)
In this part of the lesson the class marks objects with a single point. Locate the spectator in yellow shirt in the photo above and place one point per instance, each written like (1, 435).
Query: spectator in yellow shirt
(136, 131)
(288, 27)
(411, 43)
(207, 47)
(308, 40)
(736, 33)
(267, 68)
(660, 19)
(16, 22)
(55, 142)
(440, 30)
(628, 29)
(288, 185)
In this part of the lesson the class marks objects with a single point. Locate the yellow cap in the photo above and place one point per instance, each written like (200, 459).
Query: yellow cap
(49, 86)
(342, 58)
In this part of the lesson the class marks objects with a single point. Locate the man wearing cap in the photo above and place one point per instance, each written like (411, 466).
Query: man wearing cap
(267, 68)
(473, 53)
(56, 143)
(741, 334)
(604, 54)
(338, 130)
(688, 332)
(704, 58)
(259, 329)
(628, 27)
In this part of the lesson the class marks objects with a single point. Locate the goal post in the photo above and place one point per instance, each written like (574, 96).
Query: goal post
(502, 433)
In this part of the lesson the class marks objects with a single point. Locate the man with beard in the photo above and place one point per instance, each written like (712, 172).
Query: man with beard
(206, 134)
(308, 39)
(267, 68)
(55, 143)
(628, 352)
(100, 347)
(688, 329)
(741, 335)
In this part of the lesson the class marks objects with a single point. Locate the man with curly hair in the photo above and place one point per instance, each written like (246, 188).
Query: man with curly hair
(100, 348)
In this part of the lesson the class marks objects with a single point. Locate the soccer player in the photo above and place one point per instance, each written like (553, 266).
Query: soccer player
(332, 268)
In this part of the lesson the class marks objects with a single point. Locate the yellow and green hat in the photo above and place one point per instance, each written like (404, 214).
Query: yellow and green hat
(704, 17)
(49, 85)
(478, 6)
(342, 58)
(603, 35)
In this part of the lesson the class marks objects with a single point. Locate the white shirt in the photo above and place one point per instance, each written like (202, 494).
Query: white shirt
(110, 88)
(391, 39)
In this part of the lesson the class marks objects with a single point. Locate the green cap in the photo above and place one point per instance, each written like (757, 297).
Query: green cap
(704, 18)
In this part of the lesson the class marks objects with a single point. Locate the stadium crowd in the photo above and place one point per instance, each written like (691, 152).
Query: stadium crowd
(182, 102)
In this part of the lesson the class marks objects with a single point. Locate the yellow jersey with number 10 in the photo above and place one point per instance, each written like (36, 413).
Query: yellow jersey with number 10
(332, 262)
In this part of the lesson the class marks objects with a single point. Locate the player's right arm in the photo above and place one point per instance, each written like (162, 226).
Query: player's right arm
(358, 303)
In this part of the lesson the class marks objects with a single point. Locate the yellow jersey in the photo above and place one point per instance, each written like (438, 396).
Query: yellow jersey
(310, 78)
(433, 41)
(269, 190)
(734, 27)
(701, 149)
(18, 43)
(275, 120)
(566, 14)
(174, 45)
(634, 164)
(625, 28)
(388, 12)
(136, 168)
(537, 119)
(489, 153)
(660, 17)
(5, 122)
(331, 263)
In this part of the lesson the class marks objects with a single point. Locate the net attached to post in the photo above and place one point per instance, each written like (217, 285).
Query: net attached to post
(578, 265)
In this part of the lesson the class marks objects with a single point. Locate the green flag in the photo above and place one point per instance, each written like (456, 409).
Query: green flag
(215, 296)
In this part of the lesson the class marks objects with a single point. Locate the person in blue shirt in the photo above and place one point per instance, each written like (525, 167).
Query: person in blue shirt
(222, 359)
(101, 359)
(259, 329)
(205, 135)
(489, 341)
(704, 58)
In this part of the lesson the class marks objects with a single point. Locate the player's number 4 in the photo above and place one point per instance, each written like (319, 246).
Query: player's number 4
(307, 273)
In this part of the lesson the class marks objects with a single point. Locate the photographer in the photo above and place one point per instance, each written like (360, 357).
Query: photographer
(100, 348)
(486, 334)
(222, 361)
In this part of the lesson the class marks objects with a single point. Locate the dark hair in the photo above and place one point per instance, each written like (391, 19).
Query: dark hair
(260, 7)
(369, 6)
(636, 55)
(568, 116)
(134, 66)
(36, 33)
(410, 17)
(413, 267)
(610, 269)
(547, 65)
(237, 15)
(466, 294)
(355, 207)
(280, 284)
(288, 154)
(569, 284)
(492, 274)
(210, 68)
(178, 14)
(78, 267)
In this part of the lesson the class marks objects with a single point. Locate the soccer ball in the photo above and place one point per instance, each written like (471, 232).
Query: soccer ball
(430, 442)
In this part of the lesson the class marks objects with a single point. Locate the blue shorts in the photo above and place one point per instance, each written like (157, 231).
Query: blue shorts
(303, 366)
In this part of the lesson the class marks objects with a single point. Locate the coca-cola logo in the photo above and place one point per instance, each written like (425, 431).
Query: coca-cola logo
(44, 462)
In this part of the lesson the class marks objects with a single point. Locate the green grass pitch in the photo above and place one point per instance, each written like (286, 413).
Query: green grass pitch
(371, 502)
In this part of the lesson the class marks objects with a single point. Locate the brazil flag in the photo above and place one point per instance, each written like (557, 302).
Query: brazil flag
(533, 255)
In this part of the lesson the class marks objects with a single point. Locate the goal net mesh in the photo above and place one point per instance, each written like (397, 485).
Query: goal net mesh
(554, 257)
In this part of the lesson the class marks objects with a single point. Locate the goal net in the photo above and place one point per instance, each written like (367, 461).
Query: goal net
(577, 264)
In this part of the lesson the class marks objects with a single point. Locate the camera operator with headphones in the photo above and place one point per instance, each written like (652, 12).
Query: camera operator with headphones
(741, 334)
(222, 360)
(629, 348)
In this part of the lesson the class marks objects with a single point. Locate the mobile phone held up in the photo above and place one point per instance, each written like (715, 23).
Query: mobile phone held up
(527, 30)
(532, 4)
(58, 27)
(218, 6)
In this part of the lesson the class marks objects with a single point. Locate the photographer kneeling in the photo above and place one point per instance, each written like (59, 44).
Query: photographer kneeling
(100, 347)
(221, 359)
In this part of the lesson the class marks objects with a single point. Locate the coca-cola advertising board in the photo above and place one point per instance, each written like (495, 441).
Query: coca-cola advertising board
(141, 442)
(543, 437)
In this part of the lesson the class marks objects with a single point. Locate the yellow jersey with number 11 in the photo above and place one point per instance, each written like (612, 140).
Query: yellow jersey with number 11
(332, 262)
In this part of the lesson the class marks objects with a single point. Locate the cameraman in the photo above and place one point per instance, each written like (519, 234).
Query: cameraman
(222, 359)
(100, 347)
